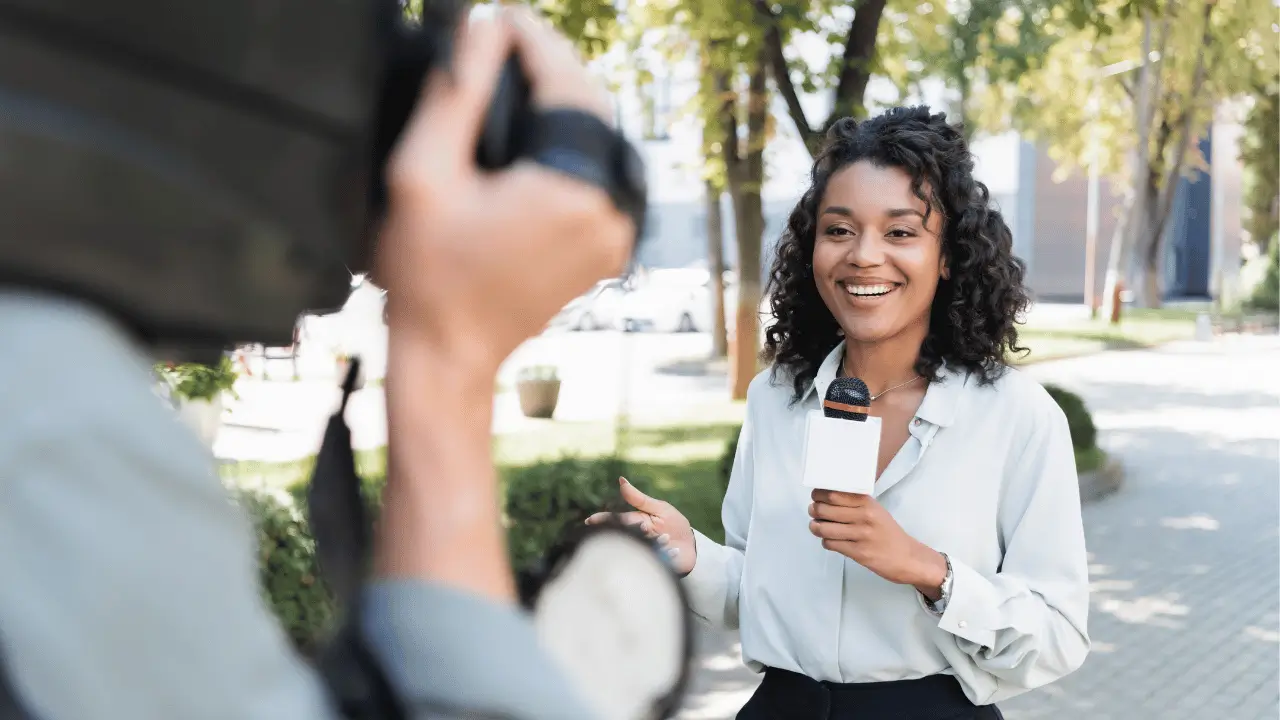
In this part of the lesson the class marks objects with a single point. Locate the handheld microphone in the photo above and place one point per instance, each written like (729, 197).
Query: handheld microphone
(847, 399)
(842, 442)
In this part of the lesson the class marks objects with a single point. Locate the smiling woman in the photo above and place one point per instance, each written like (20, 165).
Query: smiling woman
(961, 579)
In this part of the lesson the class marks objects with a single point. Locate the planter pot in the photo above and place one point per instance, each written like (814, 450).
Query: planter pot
(204, 417)
(538, 398)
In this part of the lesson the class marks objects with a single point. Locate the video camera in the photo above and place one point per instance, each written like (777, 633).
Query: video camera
(210, 171)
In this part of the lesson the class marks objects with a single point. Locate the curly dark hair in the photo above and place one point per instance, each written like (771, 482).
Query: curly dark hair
(972, 324)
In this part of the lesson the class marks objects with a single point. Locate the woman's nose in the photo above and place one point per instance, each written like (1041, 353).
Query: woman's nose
(866, 251)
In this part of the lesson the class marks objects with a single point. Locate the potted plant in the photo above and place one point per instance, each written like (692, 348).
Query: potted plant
(539, 389)
(196, 391)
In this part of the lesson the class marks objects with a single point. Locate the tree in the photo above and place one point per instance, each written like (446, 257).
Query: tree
(735, 129)
(733, 107)
(1135, 92)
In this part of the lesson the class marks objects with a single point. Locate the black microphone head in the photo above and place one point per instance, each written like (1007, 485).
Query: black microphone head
(847, 399)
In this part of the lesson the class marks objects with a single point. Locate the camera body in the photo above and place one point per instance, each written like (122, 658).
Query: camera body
(209, 171)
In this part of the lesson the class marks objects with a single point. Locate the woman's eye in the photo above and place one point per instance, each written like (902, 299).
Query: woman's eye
(839, 231)
(900, 233)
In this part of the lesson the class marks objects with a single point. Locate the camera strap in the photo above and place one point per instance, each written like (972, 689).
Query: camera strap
(343, 533)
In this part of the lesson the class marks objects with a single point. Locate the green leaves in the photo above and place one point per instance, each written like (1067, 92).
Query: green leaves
(195, 381)
(591, 24)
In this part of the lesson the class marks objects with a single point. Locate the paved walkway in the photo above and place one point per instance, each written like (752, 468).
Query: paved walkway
(1185, 559)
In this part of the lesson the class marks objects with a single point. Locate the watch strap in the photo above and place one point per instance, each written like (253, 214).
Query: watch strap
(939, 607)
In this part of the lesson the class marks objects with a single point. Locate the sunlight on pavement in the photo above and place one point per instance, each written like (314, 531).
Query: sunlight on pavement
(1192, 522)
(1267, 634)
(1150, 610)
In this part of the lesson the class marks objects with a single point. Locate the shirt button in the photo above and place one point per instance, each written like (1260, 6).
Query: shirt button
(961, 624)
(916, 422)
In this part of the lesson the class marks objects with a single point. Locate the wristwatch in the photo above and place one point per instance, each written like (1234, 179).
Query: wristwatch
(940, 606)
(583, 146)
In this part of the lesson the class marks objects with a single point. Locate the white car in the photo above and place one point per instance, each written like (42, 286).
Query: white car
(596, 309)
(669, 300)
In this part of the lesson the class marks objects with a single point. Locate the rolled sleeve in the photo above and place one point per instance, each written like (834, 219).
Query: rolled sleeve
(1025, 626)
(444, 646)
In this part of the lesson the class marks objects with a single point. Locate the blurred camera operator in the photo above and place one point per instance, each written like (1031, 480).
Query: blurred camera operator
(128, 582)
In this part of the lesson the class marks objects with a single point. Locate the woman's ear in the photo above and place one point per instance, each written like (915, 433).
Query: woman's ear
(944, 271)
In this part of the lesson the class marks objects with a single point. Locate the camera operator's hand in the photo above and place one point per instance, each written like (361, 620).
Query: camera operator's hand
(476, 263)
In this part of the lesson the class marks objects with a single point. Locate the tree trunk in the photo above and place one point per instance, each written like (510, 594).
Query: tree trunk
(1130, 228)
(715, 263)
(1147, 274)
(746, 179)
(1163, 182)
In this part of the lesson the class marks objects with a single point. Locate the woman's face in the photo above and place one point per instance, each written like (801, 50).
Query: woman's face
(875, 261)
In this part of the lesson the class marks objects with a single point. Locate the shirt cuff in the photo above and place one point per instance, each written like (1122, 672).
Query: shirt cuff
(440, 645)
(705, 584)
(971, 610)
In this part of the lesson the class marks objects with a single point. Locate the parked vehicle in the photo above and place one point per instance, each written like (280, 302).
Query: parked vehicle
(669, 300)
(596, 309)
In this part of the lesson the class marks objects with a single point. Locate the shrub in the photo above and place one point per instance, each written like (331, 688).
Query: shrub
(1084, 436)
(196, 381)
(545, 500)
(287, 564)
(726, 460)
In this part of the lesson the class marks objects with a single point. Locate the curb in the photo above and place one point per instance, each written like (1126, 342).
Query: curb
(1103, 482)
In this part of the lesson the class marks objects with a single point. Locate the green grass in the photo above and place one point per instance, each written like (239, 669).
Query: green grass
(1138, 328)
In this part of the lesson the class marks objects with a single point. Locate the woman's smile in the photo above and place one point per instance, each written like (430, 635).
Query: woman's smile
(866, 294)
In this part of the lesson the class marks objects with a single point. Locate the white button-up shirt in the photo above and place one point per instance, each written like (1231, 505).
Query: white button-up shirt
(986, 476)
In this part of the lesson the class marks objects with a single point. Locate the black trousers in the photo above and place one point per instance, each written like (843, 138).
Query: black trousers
(785, 695)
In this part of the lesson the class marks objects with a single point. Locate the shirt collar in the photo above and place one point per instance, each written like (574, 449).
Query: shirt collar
(941, 401)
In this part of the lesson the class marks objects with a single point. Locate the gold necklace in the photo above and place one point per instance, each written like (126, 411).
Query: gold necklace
(895, 387)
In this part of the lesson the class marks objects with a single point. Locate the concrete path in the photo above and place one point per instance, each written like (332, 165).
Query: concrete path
(1185, 559)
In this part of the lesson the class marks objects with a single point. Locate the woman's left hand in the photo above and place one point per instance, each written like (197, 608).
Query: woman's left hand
(859, 528)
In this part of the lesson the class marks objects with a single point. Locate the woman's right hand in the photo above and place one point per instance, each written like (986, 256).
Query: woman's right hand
(660, 521)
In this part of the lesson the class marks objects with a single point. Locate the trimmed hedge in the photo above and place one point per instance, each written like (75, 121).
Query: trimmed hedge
(288, 568)
(542, 502)
(1084, 435)
(726, 460)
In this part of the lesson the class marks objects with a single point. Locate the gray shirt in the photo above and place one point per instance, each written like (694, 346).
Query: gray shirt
(129, 582)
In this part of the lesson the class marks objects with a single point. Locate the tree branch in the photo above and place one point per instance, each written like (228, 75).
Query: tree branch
(855, 64)
(781, 73)
(1128, 90)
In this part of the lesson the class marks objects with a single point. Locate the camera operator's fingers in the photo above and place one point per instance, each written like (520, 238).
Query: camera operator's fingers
(441, 135)
(557, 76)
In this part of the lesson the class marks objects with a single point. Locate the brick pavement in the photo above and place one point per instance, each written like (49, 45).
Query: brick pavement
(1185, 559)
